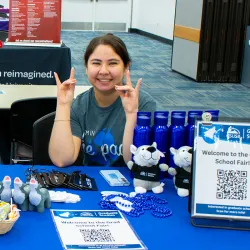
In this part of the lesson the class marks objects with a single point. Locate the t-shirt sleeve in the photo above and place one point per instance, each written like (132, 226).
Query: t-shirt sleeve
(74, 122)
(146, 102)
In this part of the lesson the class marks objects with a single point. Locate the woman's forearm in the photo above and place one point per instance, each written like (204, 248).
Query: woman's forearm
(61, 146)
(128, 136)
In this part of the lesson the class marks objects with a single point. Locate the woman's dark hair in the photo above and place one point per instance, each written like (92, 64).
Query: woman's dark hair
(113, 41)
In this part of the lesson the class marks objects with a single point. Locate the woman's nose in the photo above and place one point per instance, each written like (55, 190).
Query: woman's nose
(103, 69)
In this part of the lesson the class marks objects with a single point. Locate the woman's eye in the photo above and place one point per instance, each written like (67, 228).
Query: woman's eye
(96, 63)
(113, 63)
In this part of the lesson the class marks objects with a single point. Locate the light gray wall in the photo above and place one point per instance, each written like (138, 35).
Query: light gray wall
(154, 16)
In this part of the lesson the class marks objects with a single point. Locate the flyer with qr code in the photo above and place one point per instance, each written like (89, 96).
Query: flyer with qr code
(221, 171)
(95, 229)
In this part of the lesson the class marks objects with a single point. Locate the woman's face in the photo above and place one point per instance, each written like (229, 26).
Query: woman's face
(105, 68)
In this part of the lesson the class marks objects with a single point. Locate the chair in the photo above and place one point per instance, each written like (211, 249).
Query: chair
(41, 135)
(23, 114)
(3, 35)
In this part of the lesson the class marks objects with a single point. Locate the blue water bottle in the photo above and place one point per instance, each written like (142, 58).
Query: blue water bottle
(192, 114)
(156, 113)
(214, 113)
(176, 132)
(160, 134)
(142, 131)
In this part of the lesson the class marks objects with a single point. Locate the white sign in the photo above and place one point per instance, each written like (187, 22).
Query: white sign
(221, 171)
(95, 229)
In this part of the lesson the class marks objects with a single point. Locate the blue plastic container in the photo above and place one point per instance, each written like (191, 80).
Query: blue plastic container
(192, 114)
(142, 131)
(176, 132)
(160, 134)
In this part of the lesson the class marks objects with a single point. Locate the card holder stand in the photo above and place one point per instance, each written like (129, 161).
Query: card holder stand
(57, 179)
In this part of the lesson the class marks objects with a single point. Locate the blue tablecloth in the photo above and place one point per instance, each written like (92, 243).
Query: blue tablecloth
(37, 231)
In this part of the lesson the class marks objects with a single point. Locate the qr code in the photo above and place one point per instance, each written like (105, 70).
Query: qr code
(97, 235)
(231, 184)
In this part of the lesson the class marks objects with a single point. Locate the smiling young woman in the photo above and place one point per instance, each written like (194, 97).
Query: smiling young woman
(101, 120)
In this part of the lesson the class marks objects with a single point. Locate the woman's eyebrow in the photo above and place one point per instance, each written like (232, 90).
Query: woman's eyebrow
(99, 60)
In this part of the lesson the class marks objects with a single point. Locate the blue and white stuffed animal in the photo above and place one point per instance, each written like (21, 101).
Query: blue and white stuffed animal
(182, 174)
(146, 168)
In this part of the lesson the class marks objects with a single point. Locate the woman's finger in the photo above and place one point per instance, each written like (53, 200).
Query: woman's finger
(121, 93)
(72, 73)
(138, 85)
(124, 88)
(128, 80)
(69, 82)
(58, 82)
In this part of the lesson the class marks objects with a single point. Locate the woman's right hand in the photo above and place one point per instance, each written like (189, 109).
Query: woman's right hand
(65, 90)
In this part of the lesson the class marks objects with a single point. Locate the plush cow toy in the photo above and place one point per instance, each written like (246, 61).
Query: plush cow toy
(182, 174)
(146, 168)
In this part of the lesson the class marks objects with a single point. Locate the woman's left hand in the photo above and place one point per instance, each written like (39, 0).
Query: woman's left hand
(129, 95)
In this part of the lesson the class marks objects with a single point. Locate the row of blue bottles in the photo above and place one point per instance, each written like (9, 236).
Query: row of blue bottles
(176, 135)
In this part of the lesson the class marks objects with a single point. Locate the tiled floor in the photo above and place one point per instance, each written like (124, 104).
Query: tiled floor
(151, 61)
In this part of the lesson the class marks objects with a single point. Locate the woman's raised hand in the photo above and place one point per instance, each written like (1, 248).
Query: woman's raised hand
(65, 90)
(129, 95)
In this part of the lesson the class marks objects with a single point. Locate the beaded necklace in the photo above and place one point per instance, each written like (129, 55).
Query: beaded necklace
(136, 206)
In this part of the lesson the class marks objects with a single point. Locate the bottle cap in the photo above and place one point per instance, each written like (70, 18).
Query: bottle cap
(164, 113)
(160, 120)
(178, 118)
(214, 113)
(148, 114)
(192, 114)
(143, 120)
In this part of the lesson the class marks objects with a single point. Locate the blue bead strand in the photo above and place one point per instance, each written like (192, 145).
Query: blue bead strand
(140, 203)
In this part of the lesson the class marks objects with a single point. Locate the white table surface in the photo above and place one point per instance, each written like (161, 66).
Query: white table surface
(12, 93)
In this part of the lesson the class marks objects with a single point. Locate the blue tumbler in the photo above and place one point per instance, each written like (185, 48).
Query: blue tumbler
(142, 131)
(192, 114)
(176, 132)
(160, 134)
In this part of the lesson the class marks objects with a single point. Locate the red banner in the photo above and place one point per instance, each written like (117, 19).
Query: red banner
(35, 21)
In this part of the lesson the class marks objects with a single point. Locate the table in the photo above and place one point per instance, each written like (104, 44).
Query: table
(34, 65)
(12, 93)
(37, 231)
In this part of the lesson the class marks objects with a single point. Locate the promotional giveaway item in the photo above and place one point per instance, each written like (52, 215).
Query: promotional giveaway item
(192, 115)
(220, 174)
(114, 178)
(9, 214)
(52, 179)
(160, 134)
(182, 174)
(95, 229)
(134, 204)
(176, 132)
(146, 168)
(142, 131)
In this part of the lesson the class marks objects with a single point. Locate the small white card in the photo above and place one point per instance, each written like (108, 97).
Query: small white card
(114, 178)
